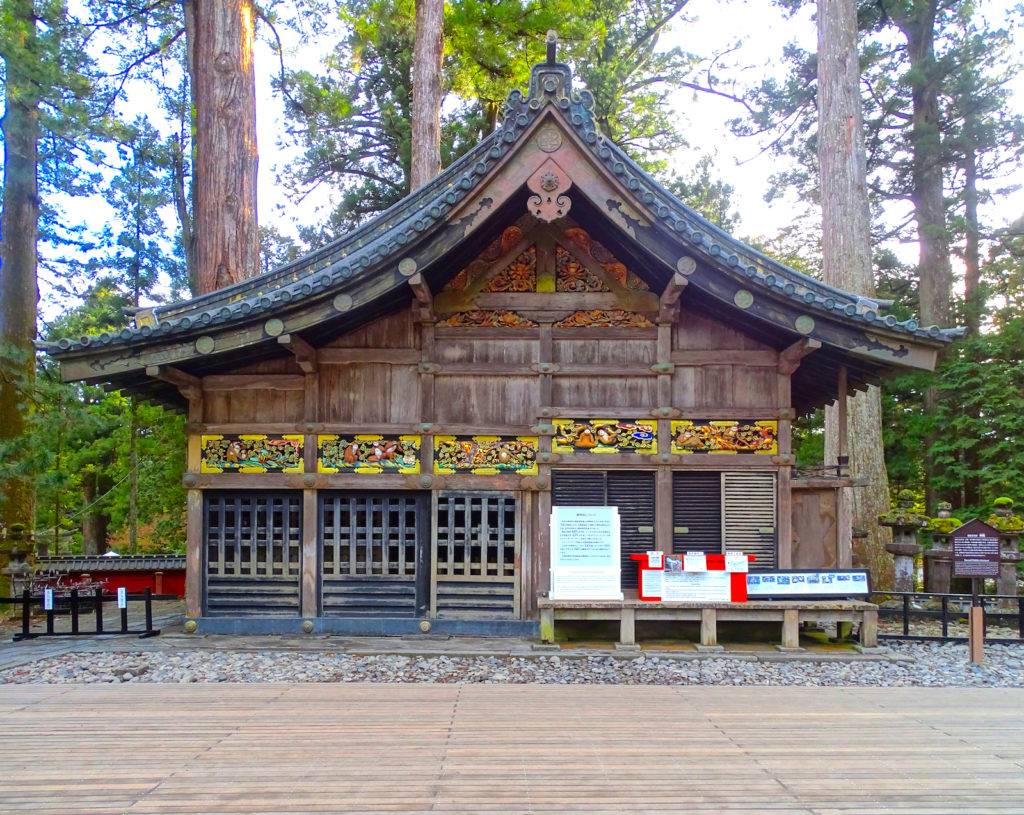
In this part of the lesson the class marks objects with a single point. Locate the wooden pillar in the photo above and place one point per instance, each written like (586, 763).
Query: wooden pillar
(542, 550)
(309, 602)
(194, 599)
(841, 410)
(663, 509)
(194, 554)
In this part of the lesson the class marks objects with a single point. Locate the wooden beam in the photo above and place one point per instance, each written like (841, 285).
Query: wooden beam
(352, 356)
(305, 354)
(249, 382)
(670, 297)
(789, 359)
(191, 387)
(424, 297)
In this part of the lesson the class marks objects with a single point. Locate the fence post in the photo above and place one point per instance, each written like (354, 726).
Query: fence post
(149, 610)
(906, 615)
(26, 615)
(99, 610)
(945, 616)
(74, 611)
(124, 619)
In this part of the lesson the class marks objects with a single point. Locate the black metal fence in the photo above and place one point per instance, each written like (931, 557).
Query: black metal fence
(1001, 610)
(80, 607)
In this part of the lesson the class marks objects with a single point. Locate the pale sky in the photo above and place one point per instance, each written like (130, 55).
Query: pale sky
(710, 26)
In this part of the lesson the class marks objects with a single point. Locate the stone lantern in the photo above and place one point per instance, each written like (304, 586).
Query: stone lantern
(17, 547)
(1010, 528)
(938, 560)
(904, 523)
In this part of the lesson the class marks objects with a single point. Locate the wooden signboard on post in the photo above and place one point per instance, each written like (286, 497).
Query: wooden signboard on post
(975, 548)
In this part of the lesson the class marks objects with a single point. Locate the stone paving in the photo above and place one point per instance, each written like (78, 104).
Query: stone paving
(176, 657)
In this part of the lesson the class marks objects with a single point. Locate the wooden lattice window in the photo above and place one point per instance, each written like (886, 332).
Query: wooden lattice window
(372, 534)
(253, 534)
(476, 535)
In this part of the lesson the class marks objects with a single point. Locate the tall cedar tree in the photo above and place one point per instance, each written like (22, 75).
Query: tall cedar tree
(224, 94)
(19, 292)
(846, 262)
(428, 49)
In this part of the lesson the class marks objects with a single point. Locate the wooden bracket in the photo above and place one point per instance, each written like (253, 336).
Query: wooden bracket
(191, 387)
(424, 297)
(789, 359)
(670, 297)
(305, 354)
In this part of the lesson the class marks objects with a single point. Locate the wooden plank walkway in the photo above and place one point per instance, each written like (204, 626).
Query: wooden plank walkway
(289, 748)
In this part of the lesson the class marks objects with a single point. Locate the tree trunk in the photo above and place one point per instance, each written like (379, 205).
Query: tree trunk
(846, 256)
(224, 95)
(935, 275)
(19, 232)
(426, 92)
(95, 522)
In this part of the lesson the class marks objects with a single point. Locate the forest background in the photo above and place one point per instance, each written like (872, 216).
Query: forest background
(116, 201)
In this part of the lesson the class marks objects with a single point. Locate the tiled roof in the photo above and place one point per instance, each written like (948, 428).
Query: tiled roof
(361, 252)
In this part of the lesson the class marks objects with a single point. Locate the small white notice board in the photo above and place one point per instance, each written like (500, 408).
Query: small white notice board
(585, 561)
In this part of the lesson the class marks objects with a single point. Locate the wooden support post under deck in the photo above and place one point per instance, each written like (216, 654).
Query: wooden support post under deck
(869, 629)
(310, 559)
(791, 628)
(708, 626)
(627, 626)
(547, 625)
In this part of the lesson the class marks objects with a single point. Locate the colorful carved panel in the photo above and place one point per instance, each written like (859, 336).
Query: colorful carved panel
(604, 436)
(571, 275)
(724, 436)
(521, 274)
(481, 318)
(485, 455)
(569, 267)
(251, 454)
(368, 454)
(599, 318)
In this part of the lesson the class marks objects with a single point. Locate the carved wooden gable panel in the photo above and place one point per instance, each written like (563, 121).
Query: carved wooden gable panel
(536, 273)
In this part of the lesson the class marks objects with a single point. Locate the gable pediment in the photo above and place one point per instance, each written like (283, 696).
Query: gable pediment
(556, 273)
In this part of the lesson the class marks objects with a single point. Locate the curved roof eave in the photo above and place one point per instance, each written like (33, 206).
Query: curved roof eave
(358, 259)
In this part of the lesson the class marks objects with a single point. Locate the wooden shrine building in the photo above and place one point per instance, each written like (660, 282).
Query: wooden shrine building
(378, 430)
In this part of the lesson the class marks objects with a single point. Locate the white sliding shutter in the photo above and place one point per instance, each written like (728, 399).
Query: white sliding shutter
(749, 522)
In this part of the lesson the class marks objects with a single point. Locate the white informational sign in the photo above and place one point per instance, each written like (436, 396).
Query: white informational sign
(816, 583)
(736, 562)
(585, 553)
(651, 582)
(696, 586)
(654, 559)
(48, 599)
(122, 597)
(695, 562)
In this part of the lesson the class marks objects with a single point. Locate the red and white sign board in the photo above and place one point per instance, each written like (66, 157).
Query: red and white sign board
(693, 577)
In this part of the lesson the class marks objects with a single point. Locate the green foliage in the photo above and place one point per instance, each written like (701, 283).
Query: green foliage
(705, 193)
(77, 430)
(352, 121)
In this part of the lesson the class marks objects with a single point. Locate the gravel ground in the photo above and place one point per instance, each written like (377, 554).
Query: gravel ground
(904, 664)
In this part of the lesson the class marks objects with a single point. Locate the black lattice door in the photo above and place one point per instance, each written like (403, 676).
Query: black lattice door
(252, 551)
(374, 554)
(476, 555)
